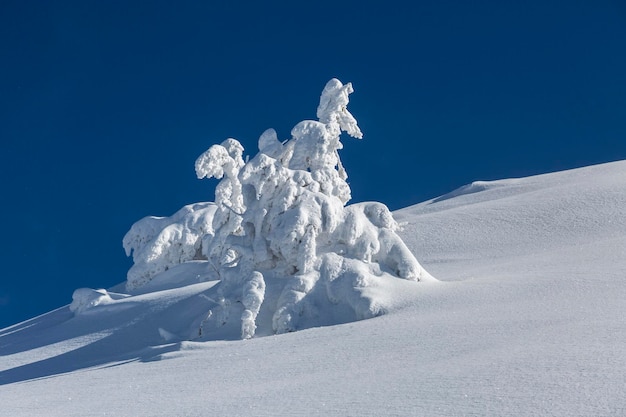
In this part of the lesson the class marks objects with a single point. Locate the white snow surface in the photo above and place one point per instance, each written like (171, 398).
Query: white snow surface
(526, 320)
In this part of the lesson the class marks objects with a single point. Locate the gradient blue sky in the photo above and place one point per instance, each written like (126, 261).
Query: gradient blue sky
(104, 106)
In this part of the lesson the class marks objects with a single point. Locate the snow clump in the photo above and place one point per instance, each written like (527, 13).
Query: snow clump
(84, 299)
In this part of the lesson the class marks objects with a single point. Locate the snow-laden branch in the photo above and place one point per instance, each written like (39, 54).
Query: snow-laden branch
(280, 221)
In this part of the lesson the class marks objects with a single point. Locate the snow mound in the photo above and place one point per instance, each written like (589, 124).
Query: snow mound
(287, 251)
(85, 299)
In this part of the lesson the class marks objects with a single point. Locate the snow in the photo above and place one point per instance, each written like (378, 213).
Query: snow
(158, 243)
(279, 237)
(526, 319)
(85, 299)
(336, 314)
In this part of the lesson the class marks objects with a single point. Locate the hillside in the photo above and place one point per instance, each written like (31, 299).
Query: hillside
(526, 319)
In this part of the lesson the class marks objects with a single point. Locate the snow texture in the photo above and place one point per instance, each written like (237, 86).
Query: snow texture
(525, 320)
(279, 217)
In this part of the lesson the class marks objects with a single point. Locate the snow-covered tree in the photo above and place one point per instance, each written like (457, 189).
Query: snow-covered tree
(281, 218)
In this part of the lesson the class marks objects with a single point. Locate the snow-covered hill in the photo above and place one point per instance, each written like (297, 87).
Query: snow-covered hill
(527, 319)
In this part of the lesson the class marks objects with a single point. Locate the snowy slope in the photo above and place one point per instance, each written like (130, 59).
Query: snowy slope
(527, 319)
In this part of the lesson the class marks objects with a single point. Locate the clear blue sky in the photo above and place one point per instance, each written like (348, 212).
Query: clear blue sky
(104, 106)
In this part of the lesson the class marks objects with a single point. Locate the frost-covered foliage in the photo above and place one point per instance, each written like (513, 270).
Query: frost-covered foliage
(158, 243)
(281, 219)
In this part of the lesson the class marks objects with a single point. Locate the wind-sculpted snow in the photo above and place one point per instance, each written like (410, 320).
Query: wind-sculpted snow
(279, 237)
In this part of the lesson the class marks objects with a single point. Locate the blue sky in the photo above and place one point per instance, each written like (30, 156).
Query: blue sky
(104, 107)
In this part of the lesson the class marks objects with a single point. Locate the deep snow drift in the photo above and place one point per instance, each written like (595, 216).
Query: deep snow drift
(527, 319)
